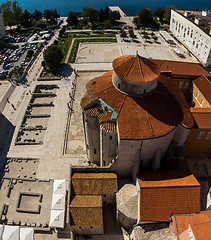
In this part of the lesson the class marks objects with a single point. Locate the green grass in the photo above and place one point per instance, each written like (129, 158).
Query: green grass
(64, 42)
(75, 46)
(92, 34)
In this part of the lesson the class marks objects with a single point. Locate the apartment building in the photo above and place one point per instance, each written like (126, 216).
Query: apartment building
(193, 30)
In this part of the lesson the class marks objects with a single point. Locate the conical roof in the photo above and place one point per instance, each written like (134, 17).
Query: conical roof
(11, 233)
(135, 68)
(59, 187)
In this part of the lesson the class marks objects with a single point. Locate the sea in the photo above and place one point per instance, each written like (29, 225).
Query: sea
(130, 7)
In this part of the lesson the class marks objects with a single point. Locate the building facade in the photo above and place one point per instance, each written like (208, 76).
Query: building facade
(193, 30)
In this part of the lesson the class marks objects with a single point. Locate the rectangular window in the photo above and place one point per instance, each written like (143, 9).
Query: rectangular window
(186, 84)
(197, 94)
(201, 134)
(202, 101)
(180, 84)
(208, 135)
(110, 137)
(95, 151)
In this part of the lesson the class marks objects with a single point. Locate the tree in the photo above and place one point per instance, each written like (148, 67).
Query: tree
(30, 52)
(37, 15)
(106, 13)
(131, 33)
(53, 56)
(159, 12)
(123, 33)
(43, 64)
(17, 10)
(101, 15)
(90, 14)
(12, 12)
(114, 15)
(72, 19)
(144, 17)
(167, 14)
(26, 18)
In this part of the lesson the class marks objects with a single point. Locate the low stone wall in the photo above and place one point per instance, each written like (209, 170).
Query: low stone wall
(6, 96)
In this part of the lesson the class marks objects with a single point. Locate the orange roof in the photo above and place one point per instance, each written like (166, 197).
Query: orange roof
(202, 231)
(200, 224)
(181, 68)
(165, 193)
(202, 117)
(145, 117)
(135, 68)
(204, 86)
(166, 179)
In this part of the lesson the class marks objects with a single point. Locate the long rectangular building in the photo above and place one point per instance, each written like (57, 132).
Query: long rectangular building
(193, 30)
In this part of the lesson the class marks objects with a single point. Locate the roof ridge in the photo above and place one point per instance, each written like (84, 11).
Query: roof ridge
(121, 105)
(141, 68)
(129, 67)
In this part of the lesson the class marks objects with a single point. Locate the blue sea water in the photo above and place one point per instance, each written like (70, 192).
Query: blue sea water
(130, 7)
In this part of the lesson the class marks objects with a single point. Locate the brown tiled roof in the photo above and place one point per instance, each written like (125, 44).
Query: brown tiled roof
(202, 117)
(86, 201)
(135, 68)
(204, 86)
(150, 116)
(181, 68)
(200, 221)
(86, 211)
(100, 113)
(165, 193)
(94, 183)
(202, 231)
(109, 126)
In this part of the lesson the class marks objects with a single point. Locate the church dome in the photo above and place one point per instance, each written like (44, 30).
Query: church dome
(135, 75)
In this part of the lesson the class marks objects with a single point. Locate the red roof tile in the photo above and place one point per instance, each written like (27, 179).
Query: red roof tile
(200, 224)
(144, 117)
(135, 68)
(165, 193)
(202, 117)
(204, 86)
(181, 68)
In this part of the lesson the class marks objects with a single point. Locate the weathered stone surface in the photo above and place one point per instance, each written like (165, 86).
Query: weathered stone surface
(127, 205)
(152, 232)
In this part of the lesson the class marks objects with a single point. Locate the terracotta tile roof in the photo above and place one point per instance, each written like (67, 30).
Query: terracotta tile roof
(181, 68)
(202, 117)
(135, 68)
(101, 114)
(86, 201)
(165, 193)
(94, 183)
(200, 221)
(202, 231)
(204, 86)
(86, 211)
(109, 126)
(151, 116)
(166, 179)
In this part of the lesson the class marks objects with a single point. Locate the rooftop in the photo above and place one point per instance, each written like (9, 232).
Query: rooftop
(94, 183)
(205, 20)
(200, 224)
(202, 117)
(168, 192)
(166, 179)
(135, 68)
(204, 86)
(151, 116)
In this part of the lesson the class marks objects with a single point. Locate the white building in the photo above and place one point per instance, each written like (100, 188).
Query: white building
(192, 28)
(2, 28)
